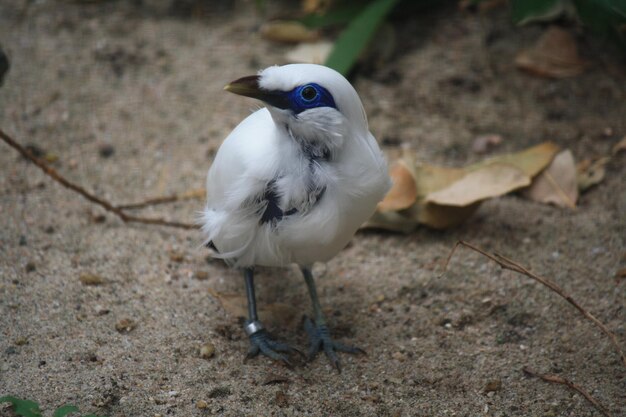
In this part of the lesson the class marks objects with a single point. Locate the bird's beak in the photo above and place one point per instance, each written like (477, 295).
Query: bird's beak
(249, 87)
(246, 86)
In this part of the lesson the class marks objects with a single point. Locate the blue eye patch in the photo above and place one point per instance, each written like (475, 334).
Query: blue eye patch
(301, 98)
(309, 96)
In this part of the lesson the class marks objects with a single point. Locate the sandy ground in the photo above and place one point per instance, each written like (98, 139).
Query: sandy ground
(148, 84)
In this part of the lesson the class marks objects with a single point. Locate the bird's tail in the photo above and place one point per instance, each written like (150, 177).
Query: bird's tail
(214, 223)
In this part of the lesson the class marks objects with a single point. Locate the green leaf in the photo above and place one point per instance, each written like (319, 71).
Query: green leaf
(605, 17)
(65, 410)
(357, 35)
(24, 408)
(527, 11)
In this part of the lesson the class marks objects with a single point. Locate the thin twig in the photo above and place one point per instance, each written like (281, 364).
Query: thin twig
(511, 265)
(558, 380)
(163, 200)
(52, 173)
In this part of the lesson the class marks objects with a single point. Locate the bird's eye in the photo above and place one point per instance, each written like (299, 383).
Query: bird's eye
(308, 93)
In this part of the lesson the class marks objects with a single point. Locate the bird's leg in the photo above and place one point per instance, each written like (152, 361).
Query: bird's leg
(319, 335)
(260, 340)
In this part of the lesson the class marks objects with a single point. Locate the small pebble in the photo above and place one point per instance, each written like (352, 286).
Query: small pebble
(483, 144)
(90, 279)
(207, 350)
(281, 399)
(597, 250)
(20, 341)
(177, 256)
(201, 275)
(201, 404)
(97, 218)
(493, 386)
(125, 325)
(101, 311)
(51, 157)
(106, 151)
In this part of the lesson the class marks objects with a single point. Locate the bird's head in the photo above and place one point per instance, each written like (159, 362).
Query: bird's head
(314, 102)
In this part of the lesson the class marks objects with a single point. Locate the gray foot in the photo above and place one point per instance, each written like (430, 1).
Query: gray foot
(262, 343)
(319, 339)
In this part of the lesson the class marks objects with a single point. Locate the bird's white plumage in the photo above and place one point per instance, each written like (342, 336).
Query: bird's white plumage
(332, 197)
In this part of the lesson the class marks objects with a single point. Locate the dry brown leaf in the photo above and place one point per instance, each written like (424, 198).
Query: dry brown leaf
(392, 221)
(555, 55)
(316, 6)
(445, 197)
(444, 217)
(277, 314)
(556, 184)
(428, 178)
(432, 179)
(619, 146)
(288, 31)
(490, 181)
(531, 160)
(310, 52)
(590, 173)
(403, 193)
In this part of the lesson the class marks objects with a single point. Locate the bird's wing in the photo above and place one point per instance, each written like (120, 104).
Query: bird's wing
(239, 192)
(245, 163)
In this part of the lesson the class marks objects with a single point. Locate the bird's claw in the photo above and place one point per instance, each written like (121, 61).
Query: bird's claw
(319, 339)
(262, 343)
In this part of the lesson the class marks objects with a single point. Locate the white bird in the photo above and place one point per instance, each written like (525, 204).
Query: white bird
(292, 184)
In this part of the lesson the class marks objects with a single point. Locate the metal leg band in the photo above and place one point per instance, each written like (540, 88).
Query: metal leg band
(252, 327)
